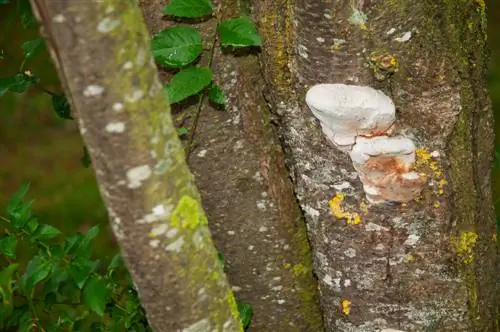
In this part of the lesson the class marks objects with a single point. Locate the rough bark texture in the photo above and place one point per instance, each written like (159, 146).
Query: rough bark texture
(428, 265)
(103, 56)
(246, 191)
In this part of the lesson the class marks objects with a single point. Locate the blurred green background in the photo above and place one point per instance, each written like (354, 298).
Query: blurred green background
(37, 147)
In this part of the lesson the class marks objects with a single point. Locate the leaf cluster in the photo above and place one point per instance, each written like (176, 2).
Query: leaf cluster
(61, 288)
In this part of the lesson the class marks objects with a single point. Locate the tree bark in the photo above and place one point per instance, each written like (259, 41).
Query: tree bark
(429, 265)
(102, 52)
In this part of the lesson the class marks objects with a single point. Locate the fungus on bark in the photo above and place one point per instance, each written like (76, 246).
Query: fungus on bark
(358, 120)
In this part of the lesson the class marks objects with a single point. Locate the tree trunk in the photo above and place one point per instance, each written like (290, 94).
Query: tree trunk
(102, 51)
(430, 264)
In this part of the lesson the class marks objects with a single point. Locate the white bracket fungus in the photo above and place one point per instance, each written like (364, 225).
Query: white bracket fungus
(358, 120)
(348, 111)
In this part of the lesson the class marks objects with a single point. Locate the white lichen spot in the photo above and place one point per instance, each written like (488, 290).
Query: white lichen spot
(59, 18)
(231, 233)
(302, 50)
(312, 212)
(128, 65)
(391, 31)
(115, 127)
(347, 283)
(200, 326)
(327, 279)
(350, 252)
(379, 246)
(202, 153)
(172, 233)
(404, 38)
(135, 96)
(158, 213)
(342, 186)
(107, 25)
(158, 230)
(250, 247)
(280, 301)
(137, 175)
(358, 18)
(117, 107)
(435, 154)
(93, 90)
(81, 126)
(175, 246)
(372, 227)
(412, 240)
(141, 57)
(320, 39)
(263, 229)
(154, 243)
(261, 205)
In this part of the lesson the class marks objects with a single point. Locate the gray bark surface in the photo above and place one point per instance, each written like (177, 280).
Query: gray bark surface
(102, 53)
(428, 265)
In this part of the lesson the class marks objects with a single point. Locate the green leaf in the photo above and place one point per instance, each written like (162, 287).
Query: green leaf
(28, 20)
(8, 246)
(246, 313)
(95, 295)
(33, 47)
(85, 160)
(189, 8)
(177, 47)
(116, 262)
(80, 270)
(216, 95)
(182, 131)
(239, 32)
(37, 270)
(6, 281)
(61, 106)
(188, 82)
(46, 232)
(18, 83)
(16, 199)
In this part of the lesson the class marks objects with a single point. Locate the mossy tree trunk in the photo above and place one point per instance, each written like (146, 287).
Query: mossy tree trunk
(102, 52)
(431, 264)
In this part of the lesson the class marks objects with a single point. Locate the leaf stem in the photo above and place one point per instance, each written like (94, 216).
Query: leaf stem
(189, 148)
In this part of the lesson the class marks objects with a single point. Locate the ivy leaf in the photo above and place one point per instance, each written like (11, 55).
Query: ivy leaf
(61, 106)
(246, 313)
(46, 232)
(116, 262)
(8, 246)
(239, 32)
(216, 95)
(33, 47)
(18, 83)
(95, 295)
(189, 8)
(177, 47)
(188, 82)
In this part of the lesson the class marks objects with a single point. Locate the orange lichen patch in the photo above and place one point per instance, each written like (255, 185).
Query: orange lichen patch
(346, 306)
(352, 218)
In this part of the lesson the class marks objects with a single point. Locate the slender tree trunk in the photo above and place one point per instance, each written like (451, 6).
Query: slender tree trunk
(103, 57)
(429, 265)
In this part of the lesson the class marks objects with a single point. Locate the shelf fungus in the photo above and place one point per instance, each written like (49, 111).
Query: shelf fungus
(359, 120)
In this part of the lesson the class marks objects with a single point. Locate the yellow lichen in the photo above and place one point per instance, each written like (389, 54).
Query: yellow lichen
(426, 164)
(464, 246)
(346, 307)
(409, 258)
(299, 269)
(188, 214)
(352, 218)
